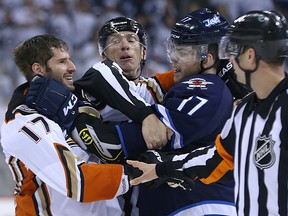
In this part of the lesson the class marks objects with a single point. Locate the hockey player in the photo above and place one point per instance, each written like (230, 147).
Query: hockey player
(51, 173)
(253, 142)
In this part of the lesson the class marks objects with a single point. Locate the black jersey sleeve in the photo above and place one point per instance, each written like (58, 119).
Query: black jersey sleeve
(209, 164)
(105, 82)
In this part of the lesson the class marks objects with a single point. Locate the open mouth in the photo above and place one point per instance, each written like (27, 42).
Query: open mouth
(125, 57)
(69, 78)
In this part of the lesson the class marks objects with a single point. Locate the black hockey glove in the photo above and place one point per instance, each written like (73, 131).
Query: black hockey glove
(131, 171)
(227, 74)
(98, 138)
(54, 100)
(174, 181)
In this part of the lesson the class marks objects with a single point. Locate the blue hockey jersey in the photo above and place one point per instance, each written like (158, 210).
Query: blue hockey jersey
(196, 110)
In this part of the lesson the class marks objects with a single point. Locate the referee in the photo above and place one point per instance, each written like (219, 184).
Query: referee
(254, 141)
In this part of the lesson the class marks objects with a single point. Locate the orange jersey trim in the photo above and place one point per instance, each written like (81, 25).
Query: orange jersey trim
(166, 79)
(223, 167)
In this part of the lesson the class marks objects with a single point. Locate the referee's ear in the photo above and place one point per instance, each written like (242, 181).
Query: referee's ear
(250, 57)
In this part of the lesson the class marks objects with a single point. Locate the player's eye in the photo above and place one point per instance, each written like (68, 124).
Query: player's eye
(115, 41)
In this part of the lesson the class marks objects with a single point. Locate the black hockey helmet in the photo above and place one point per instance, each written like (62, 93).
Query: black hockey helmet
(200, 27)
(118, 24)
(265, 31)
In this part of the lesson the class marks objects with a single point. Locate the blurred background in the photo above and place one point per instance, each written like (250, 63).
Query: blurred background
(77, 22)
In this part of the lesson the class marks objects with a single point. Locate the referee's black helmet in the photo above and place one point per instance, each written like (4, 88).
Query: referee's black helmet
(265, 31)
(118, 24)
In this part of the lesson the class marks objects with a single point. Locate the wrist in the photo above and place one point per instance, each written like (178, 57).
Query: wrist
(124, 184)
(162, 169)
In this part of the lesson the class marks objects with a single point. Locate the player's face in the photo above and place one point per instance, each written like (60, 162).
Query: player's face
(185, 62)
(125, 49)
(61, 68)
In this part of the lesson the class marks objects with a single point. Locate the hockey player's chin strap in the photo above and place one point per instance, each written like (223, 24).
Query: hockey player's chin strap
(248, 72)
(202, 69)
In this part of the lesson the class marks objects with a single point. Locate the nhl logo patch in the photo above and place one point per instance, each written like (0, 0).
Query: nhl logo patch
(264, 155)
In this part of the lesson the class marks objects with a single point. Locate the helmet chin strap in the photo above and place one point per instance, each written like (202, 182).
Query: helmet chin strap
(142, 64)
(202, 69)
(137, 77)
(248, 72)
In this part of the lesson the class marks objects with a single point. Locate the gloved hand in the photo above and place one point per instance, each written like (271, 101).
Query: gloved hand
(227, 74)
(97, 138)
(54, 100)
(157, 157)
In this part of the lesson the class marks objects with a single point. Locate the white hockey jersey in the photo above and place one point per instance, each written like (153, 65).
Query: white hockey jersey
(50, 178)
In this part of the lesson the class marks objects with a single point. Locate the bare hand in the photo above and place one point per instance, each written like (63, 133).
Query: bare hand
(149, 172)
(155, 133)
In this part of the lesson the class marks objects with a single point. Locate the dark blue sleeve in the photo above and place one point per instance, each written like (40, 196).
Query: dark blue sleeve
(132, 142)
